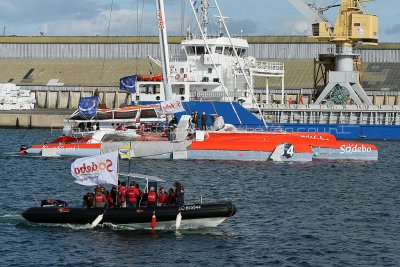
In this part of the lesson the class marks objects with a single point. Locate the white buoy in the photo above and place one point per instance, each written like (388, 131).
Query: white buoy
(178, 220)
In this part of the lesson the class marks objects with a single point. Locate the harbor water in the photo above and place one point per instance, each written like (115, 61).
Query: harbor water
(322, 213)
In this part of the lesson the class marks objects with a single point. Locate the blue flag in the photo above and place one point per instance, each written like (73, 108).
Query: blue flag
(88, 105)
(128, 83)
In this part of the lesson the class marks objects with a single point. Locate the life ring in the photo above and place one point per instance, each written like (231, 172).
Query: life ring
(177, 77)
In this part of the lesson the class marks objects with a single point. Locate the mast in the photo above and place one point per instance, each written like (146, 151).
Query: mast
(203, 14)
(162, 31)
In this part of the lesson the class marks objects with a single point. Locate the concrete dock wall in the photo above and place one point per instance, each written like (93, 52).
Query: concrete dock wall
(59, 98)
(20, 120)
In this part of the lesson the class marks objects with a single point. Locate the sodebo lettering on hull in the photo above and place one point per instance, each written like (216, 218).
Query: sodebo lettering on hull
(350, 149)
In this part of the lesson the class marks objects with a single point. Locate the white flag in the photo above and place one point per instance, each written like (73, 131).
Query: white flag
(96, 170)
(172, 106)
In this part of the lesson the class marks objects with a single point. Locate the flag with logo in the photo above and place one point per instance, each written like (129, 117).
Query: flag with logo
(128, 83)
(88, 105)
(102, 169)
(172, 106)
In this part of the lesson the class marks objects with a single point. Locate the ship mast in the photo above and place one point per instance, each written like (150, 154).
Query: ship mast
(162, 31)
(203, 15)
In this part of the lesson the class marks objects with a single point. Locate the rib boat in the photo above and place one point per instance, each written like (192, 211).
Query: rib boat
(99, 170)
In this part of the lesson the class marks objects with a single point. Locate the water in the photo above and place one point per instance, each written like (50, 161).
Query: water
(334, 213)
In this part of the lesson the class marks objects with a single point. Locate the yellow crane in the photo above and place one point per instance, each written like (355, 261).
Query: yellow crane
(352, 26)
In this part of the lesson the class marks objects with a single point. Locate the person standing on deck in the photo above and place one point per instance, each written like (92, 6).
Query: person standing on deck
(203, 121)
(152, 198)
(179, 193)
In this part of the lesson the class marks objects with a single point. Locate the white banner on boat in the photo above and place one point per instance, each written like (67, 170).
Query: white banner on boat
(96, 170)
(172, 106)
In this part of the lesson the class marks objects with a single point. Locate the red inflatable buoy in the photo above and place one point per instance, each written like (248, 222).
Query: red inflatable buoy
(153, 221)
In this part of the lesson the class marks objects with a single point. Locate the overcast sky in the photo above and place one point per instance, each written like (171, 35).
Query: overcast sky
(137, 17)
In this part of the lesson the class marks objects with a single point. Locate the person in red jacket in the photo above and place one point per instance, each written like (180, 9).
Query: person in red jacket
(162, 197)
(131, 195)
(171, 199)
(122, 195)
(152, 198)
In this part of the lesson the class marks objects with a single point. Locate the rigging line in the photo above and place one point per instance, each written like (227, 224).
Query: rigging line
(129, 17)
(105, 45)
(139, 28)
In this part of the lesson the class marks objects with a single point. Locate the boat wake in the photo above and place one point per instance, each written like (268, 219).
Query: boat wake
(12, 219)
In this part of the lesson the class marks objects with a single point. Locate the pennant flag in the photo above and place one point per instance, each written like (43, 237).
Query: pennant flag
(88, 105)
(96, 170)
(128, 83)
(172, 106)
(125, 152)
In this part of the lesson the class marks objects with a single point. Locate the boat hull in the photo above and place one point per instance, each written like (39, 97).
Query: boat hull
(345, 131)
(196, 215)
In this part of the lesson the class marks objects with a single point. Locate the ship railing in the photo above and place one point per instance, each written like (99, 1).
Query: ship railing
(268, 67)
(178, 58)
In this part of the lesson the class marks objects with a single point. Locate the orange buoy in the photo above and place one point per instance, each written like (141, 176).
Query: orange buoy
(153, 221)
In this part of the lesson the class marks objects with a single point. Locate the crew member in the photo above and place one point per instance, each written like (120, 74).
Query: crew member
(179, 193)
(122, 195)
(171, 199)
(162, 197)
(204, 121)
(100, 200)
(152, 198)
(131, 196)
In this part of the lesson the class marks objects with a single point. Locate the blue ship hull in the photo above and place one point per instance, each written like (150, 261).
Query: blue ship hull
(250, 122)
(345, 131)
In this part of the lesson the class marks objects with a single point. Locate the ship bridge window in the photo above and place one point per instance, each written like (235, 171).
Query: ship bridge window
(218, 50)
(239, 52)
(190, 50)
(200, 50)
(209, 70)
(228, 51)
(243, 52)
(178, 89)
(150, 89)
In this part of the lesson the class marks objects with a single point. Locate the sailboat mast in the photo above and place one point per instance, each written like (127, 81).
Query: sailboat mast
(162, 31)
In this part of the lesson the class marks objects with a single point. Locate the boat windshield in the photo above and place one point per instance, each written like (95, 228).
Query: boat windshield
(115, 137)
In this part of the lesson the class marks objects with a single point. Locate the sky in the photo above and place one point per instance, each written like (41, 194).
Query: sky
(137, 17)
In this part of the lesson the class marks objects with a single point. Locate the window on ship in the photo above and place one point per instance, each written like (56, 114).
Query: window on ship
(200, 50)
(148, 113)
(218, 50)
(190, 50)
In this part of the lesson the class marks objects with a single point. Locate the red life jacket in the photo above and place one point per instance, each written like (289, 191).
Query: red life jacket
(151, 196)
(136, 190)
(162, 198)
(122, 192)
(130, 193)
(99, 198)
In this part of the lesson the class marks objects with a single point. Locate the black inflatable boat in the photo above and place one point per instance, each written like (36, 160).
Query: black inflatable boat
(165, 217)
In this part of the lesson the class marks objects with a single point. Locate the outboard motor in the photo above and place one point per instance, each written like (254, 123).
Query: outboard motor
(52, 203)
